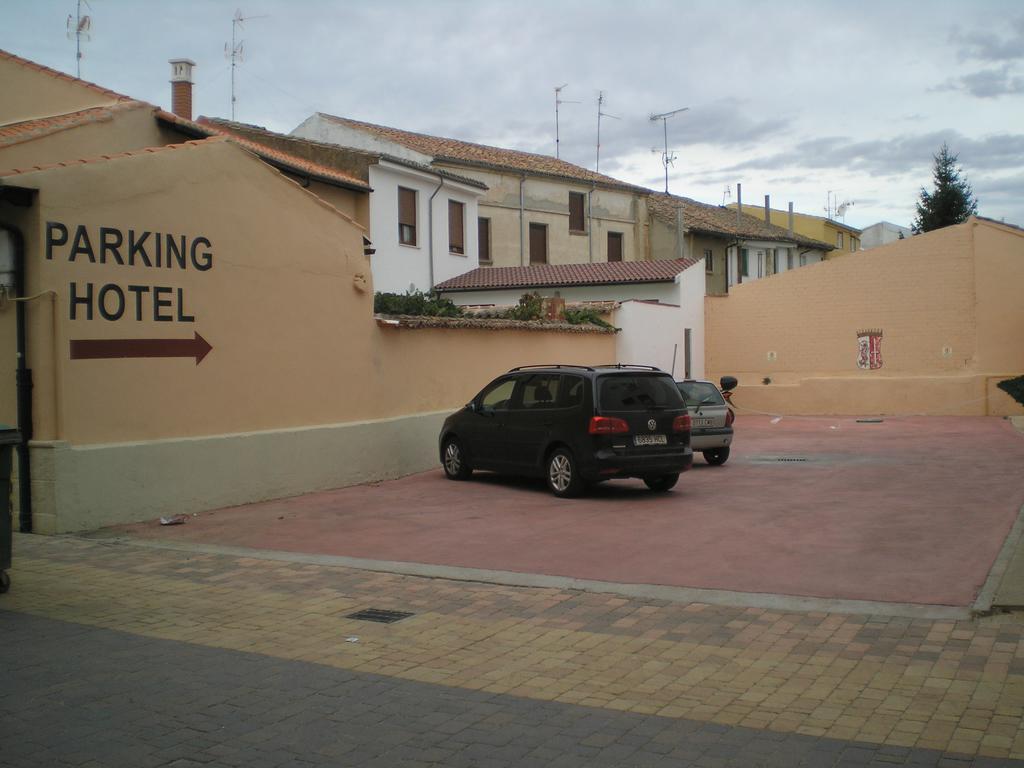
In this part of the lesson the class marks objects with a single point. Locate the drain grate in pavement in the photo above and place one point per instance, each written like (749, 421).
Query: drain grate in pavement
(379, 615)
(790, 458)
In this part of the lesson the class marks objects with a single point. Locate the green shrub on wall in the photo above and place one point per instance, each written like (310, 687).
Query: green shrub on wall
(585, 315)
(529, 307)
(415, 303)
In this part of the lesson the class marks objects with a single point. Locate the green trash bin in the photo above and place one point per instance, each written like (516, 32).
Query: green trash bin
(8, 439)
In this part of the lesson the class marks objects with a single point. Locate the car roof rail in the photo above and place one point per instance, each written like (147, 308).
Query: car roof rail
(631, 366)
(553, 365)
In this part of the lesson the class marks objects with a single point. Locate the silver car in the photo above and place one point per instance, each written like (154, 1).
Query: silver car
(711, 433)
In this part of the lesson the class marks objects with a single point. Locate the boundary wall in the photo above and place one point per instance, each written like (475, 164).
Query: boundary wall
(926, 325)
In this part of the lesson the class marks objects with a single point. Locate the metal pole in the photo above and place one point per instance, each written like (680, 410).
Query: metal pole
(664, 158)
(78, 42)
(234, 54)
(556, 123)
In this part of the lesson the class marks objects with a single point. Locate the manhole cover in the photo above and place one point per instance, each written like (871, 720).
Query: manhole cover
(379, 615)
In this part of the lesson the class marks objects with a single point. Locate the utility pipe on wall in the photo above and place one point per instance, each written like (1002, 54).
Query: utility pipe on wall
(590, 222)
(430, 218)
(522, 222)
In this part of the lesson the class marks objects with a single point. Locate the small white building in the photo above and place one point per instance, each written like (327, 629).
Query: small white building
(883, 233)
(753, 259)
(422, 224)
(660, 304)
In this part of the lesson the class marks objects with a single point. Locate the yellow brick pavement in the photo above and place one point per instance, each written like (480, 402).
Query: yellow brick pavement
(954, 686)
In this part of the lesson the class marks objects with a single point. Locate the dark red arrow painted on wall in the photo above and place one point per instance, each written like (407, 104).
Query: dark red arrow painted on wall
(99, 349)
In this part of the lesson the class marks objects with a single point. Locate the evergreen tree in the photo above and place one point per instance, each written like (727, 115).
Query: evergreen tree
(952, 200)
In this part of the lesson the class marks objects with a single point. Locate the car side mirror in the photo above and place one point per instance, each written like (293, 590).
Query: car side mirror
(728, 383)
(471, 406)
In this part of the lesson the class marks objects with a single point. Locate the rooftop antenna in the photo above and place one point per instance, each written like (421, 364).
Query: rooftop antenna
(559, 100)
(237, 51)
(600, 114)
(834, 208)
(667, 158)
(79, 26)
(726, 195)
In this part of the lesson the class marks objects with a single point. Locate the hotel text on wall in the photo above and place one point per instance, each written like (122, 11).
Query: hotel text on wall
(147, 292)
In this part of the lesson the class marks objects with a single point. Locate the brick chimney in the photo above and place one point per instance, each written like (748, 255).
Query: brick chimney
(181, 87)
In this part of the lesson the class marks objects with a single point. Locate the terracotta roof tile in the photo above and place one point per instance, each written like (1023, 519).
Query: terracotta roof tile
(7, 56)
(300, 165)
(301, 144)
(104, 158)
(555, 275)
(717, 220)
(486, 324)
(27, 130)
(276, 157)
(481, 155)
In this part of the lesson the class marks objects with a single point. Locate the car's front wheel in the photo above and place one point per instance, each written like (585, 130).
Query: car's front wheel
(454, 461)
(562, 475)
(716, 456)
(662, 483)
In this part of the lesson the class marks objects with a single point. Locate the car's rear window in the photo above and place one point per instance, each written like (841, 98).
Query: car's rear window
(638, 393)
(700, 393)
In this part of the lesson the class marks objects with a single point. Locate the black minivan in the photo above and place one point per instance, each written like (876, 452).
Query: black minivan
(573, 425)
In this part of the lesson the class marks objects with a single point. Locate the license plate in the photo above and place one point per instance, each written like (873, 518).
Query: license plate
(702, 422)
(650, 440)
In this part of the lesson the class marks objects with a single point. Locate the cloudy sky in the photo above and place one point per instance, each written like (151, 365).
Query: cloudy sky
(808, 102)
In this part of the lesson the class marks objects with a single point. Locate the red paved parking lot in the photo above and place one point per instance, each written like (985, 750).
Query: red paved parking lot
(914, 509)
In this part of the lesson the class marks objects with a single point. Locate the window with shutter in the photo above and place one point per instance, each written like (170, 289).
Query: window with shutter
(484, 239)
(577, 221)
(456, 227)
(538, 244)
(614, 246)
(406, 216)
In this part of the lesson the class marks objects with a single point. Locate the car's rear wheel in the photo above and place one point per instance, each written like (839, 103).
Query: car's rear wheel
(662, 483)
(454, 461)
(716, 456)
(562, 475)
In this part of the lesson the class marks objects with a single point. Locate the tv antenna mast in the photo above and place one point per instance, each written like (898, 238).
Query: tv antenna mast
(726, 195)
(236, 53)
(559, 100)
(79, 26)
(667, 158)
(600, 114)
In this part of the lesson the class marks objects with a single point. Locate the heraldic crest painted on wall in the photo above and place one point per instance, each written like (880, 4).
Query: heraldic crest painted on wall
(869, 349)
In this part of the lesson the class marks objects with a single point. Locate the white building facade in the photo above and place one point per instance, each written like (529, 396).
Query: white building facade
(883, 233)
(751, 260)
(422, 225)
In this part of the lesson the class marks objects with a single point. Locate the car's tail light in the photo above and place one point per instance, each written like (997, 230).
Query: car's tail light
(730, 417)
(607, 425)
(682, 423)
